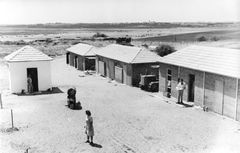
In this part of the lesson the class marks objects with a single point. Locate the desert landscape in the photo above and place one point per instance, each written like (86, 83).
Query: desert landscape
(126, 119)
(53, 39)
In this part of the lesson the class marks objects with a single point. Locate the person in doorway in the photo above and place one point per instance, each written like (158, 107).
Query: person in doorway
(180, 88)
(89, 130)
(29, 84)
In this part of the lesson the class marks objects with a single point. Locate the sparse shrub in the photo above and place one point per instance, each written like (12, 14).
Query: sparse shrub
(214, 38)
(124, 40)
(75, 42)
(145, 45)
(99, 35)
(164, 50)
(21, 42)
(7, 42)
(202, 38)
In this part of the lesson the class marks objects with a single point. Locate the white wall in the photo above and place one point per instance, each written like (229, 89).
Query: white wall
(18, 75)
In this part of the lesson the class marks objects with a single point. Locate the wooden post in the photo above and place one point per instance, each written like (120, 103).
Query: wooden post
(203, 100)
(84, 64)
(12, 117)
(223, 95)
(1, 100)
(178, 72)
(236, 104)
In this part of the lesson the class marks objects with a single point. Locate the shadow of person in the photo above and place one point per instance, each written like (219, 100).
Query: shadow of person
(96, 145)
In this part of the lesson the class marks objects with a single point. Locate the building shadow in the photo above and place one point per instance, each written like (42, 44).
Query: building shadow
(187, 105)
(54, 90)
(96, 145)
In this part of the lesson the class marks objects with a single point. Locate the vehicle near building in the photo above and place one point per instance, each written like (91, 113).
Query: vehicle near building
(149, 83)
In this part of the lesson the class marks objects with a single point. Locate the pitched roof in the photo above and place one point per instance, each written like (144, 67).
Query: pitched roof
(27, 53)
(82, 49)
(221, 61)
(128, 54)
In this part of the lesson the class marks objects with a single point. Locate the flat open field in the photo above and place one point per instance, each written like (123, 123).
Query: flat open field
(54, 41)
(126, 120)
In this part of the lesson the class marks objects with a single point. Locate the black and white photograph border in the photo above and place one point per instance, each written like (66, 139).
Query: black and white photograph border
(109, 76)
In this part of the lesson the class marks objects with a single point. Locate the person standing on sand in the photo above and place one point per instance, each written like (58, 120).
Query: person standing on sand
(89, 130)
(180, 88)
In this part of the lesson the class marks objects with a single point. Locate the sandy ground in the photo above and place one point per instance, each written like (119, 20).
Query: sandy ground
(126, 120)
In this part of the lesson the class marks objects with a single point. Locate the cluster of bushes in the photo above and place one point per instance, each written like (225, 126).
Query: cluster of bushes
(203, 38)
(124, 40)
(20, 42)
(164, 50)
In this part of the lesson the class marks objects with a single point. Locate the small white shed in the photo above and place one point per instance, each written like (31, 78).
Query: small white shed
(28, 61)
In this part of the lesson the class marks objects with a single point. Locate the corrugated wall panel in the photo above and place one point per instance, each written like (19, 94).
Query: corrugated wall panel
(214, 92)
(101, 66)
(229, 97)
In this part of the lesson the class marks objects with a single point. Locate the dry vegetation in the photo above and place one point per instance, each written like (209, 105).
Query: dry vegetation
(53, 39)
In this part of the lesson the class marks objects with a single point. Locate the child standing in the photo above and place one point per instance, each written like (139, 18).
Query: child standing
(89, 127)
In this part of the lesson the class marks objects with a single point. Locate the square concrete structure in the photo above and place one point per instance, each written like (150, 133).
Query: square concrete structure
(81, 56)
(125, 64)
(211, 75)
(29, 61)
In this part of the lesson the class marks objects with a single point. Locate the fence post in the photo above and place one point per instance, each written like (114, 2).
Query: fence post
(12, 117)
(1, 100)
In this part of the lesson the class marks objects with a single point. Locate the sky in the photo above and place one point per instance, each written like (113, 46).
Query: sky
(117, 11)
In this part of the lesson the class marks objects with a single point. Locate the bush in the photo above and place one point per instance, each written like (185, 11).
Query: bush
(214, 38)
(99, 35)
(202, 38)
(164, 50)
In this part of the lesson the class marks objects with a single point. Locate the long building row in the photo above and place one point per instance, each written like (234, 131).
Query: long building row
(211, 74)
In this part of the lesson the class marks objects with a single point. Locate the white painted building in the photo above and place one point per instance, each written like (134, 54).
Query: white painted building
(28, 61)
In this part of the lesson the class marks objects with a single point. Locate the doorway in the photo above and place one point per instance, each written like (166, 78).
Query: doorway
(67, 58)
(191, 87)
(76, 62)
(33, 74)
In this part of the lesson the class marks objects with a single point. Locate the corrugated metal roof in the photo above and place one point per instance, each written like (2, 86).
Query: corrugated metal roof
(27, 53)
(221, 61)
(82, 49)
(128, 54)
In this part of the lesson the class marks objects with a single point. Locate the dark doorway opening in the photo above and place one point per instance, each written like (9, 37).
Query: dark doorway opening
(169, 83)
(33, 74)
(67, 58)
(89, 64)
(191, 87)
(76, 62)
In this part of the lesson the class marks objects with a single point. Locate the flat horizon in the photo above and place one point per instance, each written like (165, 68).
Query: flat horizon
(143, 22)
(19, 12)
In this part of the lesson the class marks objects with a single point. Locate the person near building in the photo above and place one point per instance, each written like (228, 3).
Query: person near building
(180, 88)
(29, 84)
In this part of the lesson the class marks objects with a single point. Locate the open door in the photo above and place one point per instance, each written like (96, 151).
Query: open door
(67, 58)
(33, 74)
(76, 62)
(191, 87)
(102, 68)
